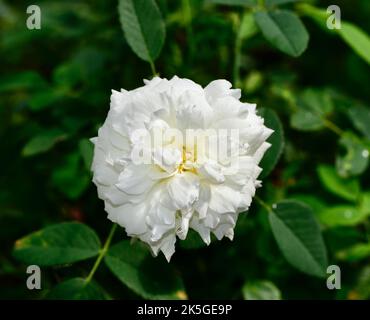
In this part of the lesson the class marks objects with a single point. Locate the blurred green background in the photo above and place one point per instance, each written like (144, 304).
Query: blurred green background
(55, 86)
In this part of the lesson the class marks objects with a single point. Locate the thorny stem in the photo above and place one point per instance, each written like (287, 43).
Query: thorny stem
(102, 253)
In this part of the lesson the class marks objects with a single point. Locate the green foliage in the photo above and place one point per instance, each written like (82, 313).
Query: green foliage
(354, 36)
(77, 289)
(134, 266)
(348, 189)
(58, 244)
(284, 30)
(68, 177)
(299, 237)
(357, 39)
(272, 155)
(355, 253)
(55, 85)
(360, 117)
(143, 26)
(21, 81)
(249, 3)
(87, 152)
(43, 142)
(279, 2)
(356, 158)
(313, 106)
(261, 290)
(342, 215)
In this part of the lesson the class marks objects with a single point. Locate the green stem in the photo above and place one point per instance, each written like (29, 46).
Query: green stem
(102, 253)
(186, 7)
(152, 67)
(263, 203)
(237, 55)
(333, 127)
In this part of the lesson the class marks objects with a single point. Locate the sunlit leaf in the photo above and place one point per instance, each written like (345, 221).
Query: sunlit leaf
(357, 39)
(58, 244)
(344, 215)
(348, 189)
(355, 253)
(261, 290)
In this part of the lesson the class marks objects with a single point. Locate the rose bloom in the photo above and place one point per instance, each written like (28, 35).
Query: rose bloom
(159, 199)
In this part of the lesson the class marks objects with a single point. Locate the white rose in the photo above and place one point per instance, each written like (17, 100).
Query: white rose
(179, 186)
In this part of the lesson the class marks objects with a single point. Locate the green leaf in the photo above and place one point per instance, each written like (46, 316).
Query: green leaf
(143, 26)
(58, 244)
(279, 2)
(247, 3)
(284, 30)
(43, 99)
(342, 215)
(151, 278)
(356, 158)
(364, 205)
(313, 201)
(313, 106)
(87, 152)
(362, 289)
(360, 117)
(247, 27)
(261, 290)
(272, 155)
(354, 253)
(348, 189)
(70, 177)
(298, 236)
(43, 142)
(318, 15)
(21, 81)
(67, 74)
(77, 289)
(357, 39)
